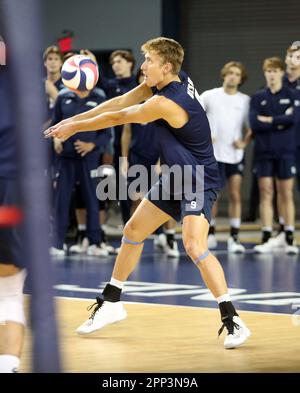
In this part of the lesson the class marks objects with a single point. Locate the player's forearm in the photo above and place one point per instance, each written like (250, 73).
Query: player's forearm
(112, 105)
(125, 140)
(133, 97)
(100, 122)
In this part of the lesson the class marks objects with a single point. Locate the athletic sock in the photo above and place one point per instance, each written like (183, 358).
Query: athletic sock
(227, 310)
(289, 237)
(234, 233)
(9, 364)
(111, 293)
(266, 234)
(170, 233)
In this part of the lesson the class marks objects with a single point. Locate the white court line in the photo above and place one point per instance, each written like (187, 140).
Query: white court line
(174, 305)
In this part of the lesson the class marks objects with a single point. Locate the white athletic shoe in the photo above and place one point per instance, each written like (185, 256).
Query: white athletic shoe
(235, 247)
(172, 249)
(97, 251)
(237, 332)
(105, 313)
(80, 248)
(110, 249)
(264, 248)
(278, 241)
(160, 241)
(291, 249)
(57, 252)
(212, 242)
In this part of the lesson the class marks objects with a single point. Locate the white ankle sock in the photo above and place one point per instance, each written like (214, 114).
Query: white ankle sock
(224, 298)
(9, 364)
(117, 283)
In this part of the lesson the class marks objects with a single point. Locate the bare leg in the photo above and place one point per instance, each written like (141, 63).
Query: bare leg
(234, 184)
(266, 200)
(285, 196)
(144, 221)
(194, 235)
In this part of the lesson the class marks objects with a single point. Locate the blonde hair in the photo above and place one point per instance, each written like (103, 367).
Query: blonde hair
(273, 62)
(168, 49)
(237, 64)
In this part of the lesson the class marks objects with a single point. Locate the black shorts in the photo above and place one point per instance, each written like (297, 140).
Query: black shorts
(178, 209)
(281, 168)
(10, 237)
(228, 170)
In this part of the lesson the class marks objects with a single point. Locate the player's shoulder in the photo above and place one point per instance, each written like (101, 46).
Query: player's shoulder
(243, 97)
(65, 92)
(99, 93)
(261, 93)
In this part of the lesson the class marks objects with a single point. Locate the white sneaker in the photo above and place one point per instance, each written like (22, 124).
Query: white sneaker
(57, 252)
(105, 313)
(212, 242)
(97, 251)
(80, 248)
(278, 241)
(265, 247)
(291, 249)
(237, 332)
(160, 241)
(110, 249)
(172, 249)
(235, 247)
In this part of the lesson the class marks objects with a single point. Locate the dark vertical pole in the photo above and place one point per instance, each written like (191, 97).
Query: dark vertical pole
(171, 19)
(22, 27)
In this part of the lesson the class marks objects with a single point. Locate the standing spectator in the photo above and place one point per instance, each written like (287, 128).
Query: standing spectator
(78, 157)
(123, 63)
(227, 110)
(272, 114)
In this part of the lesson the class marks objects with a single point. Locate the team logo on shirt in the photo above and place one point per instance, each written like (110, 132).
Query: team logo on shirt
(284, 101)
(263, 102)
(293, 170)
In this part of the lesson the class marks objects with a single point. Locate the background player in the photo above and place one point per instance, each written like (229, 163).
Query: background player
(227, 110)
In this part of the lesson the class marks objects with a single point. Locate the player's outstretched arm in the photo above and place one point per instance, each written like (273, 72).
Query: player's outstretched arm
(155, 108)
(133, 97)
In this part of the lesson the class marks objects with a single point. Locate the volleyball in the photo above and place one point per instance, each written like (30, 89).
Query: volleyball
(79, 72)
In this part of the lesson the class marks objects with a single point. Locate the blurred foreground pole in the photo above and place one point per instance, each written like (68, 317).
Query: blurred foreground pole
(22, 29)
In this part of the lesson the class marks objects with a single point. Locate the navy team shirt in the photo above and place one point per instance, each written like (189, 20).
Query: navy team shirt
(69, 104)
(295, 86)
(115, 87)
(144, 143)
(275, 140)
(190, 144)
(8, 164)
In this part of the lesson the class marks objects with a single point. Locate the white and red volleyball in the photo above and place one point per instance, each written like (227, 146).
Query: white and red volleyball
(80, 72)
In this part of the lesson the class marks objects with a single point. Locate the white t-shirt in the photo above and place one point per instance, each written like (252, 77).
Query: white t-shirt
(227, 115)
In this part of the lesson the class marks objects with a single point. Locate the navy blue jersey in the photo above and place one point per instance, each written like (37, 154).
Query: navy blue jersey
(115, 87)
(278, 138)
(295, 86)
(144, 142)
(69, 104)
(190, 144)
(7, 132)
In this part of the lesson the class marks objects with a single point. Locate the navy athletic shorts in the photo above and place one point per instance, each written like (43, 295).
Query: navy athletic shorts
(178, 209)
(228, 170)
(10, 237)
(281, 168)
